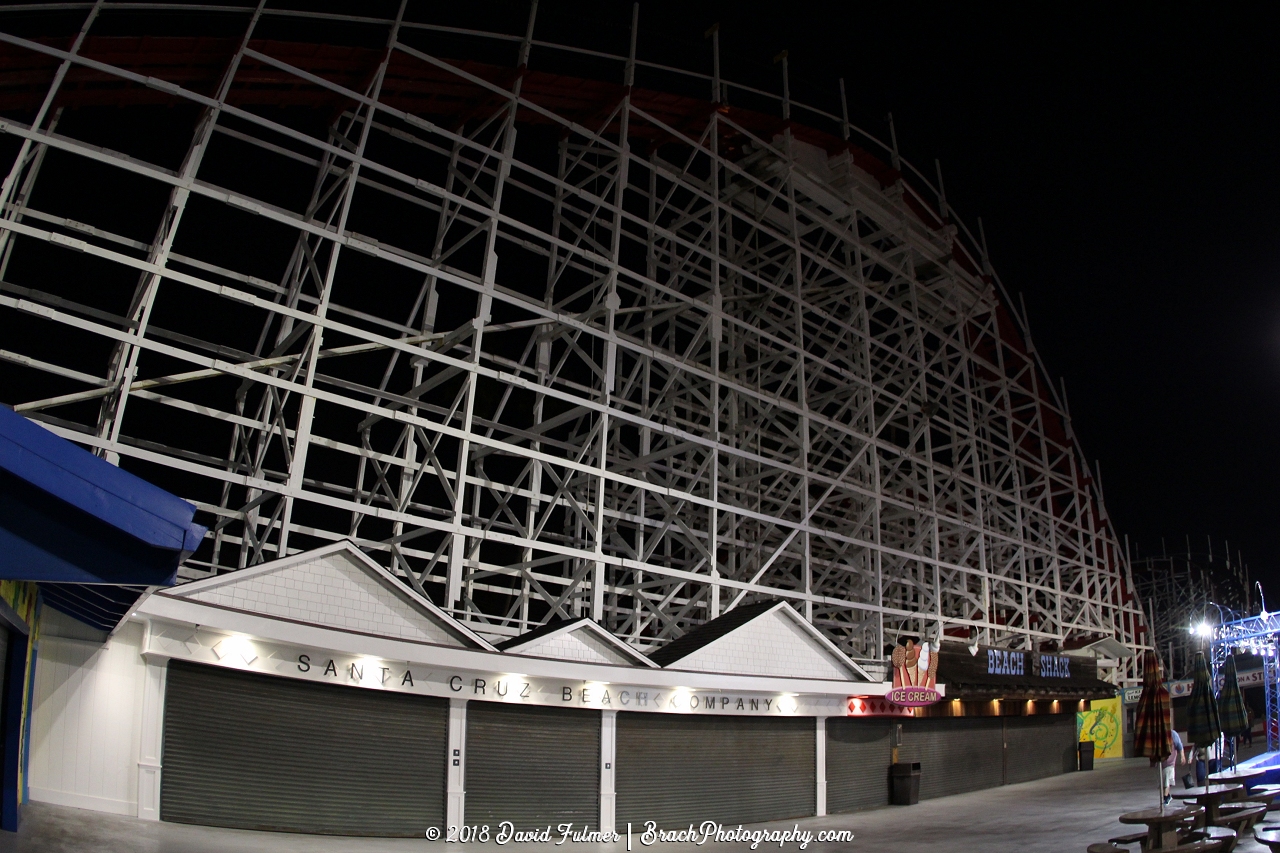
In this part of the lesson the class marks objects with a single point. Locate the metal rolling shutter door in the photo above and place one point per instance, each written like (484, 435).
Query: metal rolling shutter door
(955, 754)
(1039, 746)
(4, 673)
(678, 768)
(857, 764)
(532, 766)
(255, 751)
(4, 658)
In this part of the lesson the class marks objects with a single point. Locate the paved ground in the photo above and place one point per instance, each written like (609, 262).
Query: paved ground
(1063, 814)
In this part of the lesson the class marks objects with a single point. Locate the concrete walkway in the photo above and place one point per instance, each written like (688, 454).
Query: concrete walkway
(1062, 814)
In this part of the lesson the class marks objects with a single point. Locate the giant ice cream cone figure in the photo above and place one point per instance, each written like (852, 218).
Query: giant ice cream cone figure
(915, 665)
(926, 665)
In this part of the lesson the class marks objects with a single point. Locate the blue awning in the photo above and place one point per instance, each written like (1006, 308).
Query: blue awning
(69, 518)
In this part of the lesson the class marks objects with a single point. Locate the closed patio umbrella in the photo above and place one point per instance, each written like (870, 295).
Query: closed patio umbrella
(1204, 726)
(1235, 719)
(1152, 735)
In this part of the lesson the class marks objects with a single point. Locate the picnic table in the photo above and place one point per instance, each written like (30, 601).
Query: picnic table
(1235, 774)
(1265, 793)
(1211, 797)
(1269, 837)
(1162, 824)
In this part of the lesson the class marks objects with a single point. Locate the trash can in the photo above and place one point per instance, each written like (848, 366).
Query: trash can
(904, 783)
(1086, 755)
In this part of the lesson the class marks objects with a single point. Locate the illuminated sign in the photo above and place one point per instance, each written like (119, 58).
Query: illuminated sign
(913, 697)
(1052, 666)
(876, 706)
(1005, 662)
(915, 674)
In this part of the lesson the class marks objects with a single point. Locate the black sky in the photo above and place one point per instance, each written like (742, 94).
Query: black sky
(1124, 160)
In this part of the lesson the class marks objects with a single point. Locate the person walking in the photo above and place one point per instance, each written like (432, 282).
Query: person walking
(1167, 775)
(1206, 758)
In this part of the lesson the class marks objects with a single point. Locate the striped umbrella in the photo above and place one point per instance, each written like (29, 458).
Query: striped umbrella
(1152, 734)
(1235, 719)
(1203, 724)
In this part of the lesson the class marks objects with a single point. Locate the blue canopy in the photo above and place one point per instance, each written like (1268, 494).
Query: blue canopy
(68, 518)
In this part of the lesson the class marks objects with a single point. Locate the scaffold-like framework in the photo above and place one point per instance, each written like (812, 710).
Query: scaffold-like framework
(1179, 591)
(1260, 636)
(634, 343)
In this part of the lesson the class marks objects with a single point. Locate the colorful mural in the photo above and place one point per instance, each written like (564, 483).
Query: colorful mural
(1101, 724)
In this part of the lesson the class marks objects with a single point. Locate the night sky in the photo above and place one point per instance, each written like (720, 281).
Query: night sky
(1124, 163)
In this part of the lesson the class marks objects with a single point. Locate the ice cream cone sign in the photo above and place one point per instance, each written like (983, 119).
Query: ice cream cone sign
(926, 667)
(915, 671)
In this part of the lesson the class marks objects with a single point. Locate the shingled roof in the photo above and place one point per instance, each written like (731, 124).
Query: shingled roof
(709, 632)
(585, 630)
(768, 638)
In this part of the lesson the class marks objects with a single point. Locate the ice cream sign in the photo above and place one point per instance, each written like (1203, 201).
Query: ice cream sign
(876, 706)
(915, 674)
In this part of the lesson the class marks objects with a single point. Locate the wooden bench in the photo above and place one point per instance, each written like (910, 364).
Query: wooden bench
(1133, 838)
(1268, 794)
(1214, 839)
(1228, 809)
(1208, 846)
(1225, 834)
(1242, 820)
(1239, 805)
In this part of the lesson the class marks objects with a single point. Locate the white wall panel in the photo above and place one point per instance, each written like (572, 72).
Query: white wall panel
(578, 645)
(84, 726)
(334, 590)
(770, 644)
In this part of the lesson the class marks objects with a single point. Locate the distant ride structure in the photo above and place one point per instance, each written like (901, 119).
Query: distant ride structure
(547, 331)
(1181, 589)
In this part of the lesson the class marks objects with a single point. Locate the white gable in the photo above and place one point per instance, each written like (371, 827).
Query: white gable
(578, 645)
(580, 640)
(773, 643)
(337, 587)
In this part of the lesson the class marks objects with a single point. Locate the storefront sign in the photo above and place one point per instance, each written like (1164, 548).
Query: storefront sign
(1250, 678)
(1051, 666)
(915, 670)
(877, 706)
(1182, 687)
(1005, 662)
(1015, 670)
(913, 697)
(307, 664)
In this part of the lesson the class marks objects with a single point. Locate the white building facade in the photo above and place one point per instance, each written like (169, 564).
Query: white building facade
(319, 693)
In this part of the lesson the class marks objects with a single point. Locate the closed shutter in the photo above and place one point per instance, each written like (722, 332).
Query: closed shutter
(4, 671)
(4, 657)
(857, 764)
(532, 766)
(678, 769)
(955, 754)
(1039, 746)
(256, 751)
